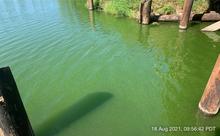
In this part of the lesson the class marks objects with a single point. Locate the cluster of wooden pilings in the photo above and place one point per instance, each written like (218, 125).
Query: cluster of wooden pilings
(146, 17)
(184, 18)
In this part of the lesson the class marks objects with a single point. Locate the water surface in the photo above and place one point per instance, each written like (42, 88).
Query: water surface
(84, 73)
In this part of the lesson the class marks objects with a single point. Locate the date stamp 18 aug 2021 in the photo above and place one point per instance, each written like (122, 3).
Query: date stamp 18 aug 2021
(183, 128)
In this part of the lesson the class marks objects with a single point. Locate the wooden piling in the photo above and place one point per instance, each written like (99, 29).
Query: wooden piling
(210, 101)
(186, 14)
(145, 11)
(90, 4)
(13, 118)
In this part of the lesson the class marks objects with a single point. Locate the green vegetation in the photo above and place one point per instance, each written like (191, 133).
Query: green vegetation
(200, 6)
(119, 7)
(130, 8)
(96, 3)
(166, 9)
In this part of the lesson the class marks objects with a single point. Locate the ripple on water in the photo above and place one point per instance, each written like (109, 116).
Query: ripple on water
(59, 52)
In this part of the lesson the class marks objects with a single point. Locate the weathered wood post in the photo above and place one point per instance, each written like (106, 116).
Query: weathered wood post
(210, 101)
(13, 118)
(145, 11)
(186, 14)
(90, 4)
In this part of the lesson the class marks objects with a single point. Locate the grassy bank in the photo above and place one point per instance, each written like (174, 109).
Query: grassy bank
(130, 8)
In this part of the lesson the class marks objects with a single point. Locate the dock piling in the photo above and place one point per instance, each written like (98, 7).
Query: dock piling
(145, 11)
(186, 14)
(90, 4)
(210, 101)
(13, 118)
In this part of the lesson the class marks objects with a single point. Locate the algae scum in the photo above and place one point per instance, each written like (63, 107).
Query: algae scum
(87, 73)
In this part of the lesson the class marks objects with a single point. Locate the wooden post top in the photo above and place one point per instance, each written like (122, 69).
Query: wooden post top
(210, 101)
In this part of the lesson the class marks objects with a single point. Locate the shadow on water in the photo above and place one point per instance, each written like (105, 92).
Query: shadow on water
(62, 120)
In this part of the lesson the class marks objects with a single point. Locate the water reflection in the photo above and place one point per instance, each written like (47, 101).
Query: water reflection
(70, 9)
(213, 36)
(170, 56)
(143, 36)
(92, 19)
(66, 8)
(181, 79)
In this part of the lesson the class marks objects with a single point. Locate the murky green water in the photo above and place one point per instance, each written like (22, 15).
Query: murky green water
(90, 74)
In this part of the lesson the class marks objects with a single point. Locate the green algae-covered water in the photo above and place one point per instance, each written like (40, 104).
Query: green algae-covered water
(81, 73)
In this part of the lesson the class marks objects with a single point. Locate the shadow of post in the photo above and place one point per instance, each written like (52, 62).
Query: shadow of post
(62, 120)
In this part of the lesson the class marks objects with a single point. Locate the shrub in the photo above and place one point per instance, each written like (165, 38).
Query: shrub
(121, 7)
(200, 6)
(96, 4)
(130, 7)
